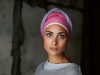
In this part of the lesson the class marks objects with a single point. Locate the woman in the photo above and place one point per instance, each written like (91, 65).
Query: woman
(56, 29)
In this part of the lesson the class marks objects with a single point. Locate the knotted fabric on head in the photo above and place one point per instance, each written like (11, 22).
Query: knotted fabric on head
(59, 17)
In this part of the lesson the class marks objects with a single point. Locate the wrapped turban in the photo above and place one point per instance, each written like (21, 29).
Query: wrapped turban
(59, 17)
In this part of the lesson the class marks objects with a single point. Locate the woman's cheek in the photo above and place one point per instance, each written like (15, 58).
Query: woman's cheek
(63, 44)
(46, 42)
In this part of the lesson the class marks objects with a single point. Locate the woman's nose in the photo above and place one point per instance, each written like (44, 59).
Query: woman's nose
(55, 41)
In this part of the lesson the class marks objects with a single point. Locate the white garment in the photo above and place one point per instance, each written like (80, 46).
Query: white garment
(47, 68)
(48, 65)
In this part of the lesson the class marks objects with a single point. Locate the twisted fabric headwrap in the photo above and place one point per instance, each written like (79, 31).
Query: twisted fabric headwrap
(56, 16)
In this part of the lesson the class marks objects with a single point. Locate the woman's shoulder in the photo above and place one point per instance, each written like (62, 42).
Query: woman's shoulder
(73, 69)
(72, 65)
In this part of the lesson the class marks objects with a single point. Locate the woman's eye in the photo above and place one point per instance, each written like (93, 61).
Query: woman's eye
(49, 34)
(61, 36)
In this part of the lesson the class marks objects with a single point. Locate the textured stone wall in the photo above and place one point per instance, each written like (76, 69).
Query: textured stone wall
(32, 52)
(6, 13)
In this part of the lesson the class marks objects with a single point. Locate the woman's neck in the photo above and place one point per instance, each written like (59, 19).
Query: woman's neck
(58, 59)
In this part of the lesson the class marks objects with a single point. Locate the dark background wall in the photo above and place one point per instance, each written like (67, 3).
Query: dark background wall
(90, 46)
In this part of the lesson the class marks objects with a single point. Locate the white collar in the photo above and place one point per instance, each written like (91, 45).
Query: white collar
(48, 65)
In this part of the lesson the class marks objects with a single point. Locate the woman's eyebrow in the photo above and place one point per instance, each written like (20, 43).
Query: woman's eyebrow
(49, 31)
(62, 33)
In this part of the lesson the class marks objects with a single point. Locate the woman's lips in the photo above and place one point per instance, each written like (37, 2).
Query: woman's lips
(54, 49)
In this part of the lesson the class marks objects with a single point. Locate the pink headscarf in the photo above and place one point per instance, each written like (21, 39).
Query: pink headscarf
(57, 16)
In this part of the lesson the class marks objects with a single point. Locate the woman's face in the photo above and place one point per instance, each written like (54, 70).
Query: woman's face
(55, 40)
